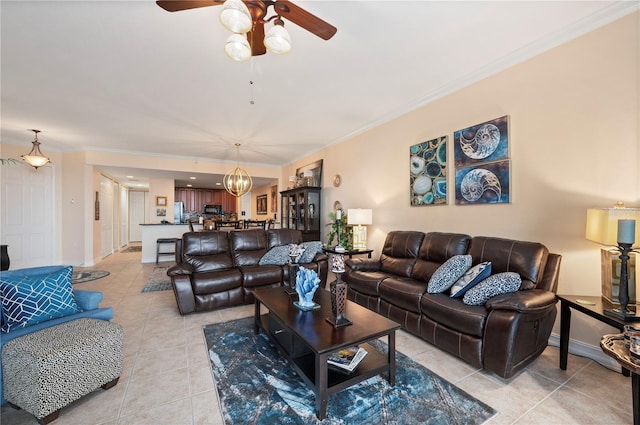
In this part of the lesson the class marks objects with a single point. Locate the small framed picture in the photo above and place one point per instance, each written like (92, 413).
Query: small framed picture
(161, 201)
(161, 212)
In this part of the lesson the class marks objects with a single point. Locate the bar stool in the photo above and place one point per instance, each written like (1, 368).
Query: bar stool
(161, 241)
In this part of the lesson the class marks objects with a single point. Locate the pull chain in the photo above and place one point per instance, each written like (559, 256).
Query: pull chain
(251, 101)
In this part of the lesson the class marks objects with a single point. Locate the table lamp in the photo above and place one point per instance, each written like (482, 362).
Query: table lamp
(357, 218)
(615, 227)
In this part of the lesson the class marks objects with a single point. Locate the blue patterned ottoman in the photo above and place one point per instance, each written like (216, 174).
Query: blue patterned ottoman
(46, 370)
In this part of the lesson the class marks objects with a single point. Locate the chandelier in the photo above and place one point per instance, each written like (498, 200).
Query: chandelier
(237, 18)
(237, 181)
(35, 158)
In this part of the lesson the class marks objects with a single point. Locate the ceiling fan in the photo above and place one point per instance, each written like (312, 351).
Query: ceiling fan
(258, 10)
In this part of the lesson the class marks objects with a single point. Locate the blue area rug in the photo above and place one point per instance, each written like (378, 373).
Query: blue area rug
(256, 386)
(158, 281)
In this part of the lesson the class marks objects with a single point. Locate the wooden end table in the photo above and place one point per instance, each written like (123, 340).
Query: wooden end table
(349, 252)
(614, 346)
(594, 307)
(307, 340)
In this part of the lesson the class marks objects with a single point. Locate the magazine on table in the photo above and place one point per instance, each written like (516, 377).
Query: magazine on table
(347, 358)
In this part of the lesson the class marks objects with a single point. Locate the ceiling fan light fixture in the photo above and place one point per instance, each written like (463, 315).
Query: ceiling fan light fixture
(237, 48)
(277, 39)
(235, 17)
(35, 158)
(237, 181)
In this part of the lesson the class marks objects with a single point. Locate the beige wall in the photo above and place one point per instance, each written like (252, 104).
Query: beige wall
(574, 137)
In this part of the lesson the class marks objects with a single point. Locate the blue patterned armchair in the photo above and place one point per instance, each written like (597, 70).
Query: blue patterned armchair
(44, 280)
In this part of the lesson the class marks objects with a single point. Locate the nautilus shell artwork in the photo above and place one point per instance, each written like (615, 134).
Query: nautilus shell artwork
(485, 184)
(484, 142)
(428, 176)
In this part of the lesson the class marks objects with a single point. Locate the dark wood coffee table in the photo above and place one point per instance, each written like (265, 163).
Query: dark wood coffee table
(306, 339)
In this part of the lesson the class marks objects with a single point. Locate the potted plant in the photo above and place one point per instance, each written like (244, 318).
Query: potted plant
(345, 232)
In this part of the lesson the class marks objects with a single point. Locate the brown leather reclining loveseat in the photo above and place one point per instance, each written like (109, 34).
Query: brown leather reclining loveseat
(221, 268)
(504, 335)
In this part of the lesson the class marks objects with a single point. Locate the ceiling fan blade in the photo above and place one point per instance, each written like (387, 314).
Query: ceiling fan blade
(304, 19)
(256, 39)
(177, 5)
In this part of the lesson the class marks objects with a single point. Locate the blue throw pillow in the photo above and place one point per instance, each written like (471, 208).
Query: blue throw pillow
(497, 284)
(471, 278)
(27, 300)
(278, 255)
(310, 251)
(448, 273)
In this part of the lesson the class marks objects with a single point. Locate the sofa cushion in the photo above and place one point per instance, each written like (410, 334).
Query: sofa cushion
(311, 248)
(207, 251)
(248, 246)
(366, 282)
(454, 314)
(217, 281)
(448, 273)
(501, 283)
(471, 278)
(436, 249)
(260, 275)
(528, 259)
(405, 293)
(278, 255)
(28, 300)
(400, 251)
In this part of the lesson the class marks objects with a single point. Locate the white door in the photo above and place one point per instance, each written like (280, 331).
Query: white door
(137, 214)
(28, 214)
(106, 215)
(124, 213)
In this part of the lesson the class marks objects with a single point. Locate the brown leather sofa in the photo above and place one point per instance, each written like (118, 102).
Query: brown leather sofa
(504, 335)
(219, 269)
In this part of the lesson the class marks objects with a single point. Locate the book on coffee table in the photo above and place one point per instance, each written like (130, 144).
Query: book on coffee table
(347, 358)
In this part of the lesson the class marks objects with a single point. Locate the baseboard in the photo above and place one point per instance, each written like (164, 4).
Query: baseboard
(589, 351)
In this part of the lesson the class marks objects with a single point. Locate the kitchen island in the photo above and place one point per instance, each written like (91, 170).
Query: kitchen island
(151, 233)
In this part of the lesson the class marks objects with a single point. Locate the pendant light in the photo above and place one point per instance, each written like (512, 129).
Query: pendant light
(237, 181)
(35, 158)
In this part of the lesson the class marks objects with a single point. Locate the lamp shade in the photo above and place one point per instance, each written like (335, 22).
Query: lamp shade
(602, 224)
(237, 48)
(235, 16)
(359, 216)
(277, 40)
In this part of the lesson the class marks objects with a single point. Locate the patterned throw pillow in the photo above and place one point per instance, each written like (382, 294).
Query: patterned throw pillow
(448, 273)
(500, 283)
(310, 251)
(471, 278)
(27, 300)
(278, 255)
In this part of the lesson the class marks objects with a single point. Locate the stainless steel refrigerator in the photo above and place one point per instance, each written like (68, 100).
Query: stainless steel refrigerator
(178, 212)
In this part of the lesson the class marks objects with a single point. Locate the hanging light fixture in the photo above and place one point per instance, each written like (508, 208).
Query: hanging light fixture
(237, 181)
(235, 16)
(277, 39)
(237, 48)
(35, 158)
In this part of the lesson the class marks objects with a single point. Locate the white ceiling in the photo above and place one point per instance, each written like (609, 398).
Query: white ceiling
(127, 76)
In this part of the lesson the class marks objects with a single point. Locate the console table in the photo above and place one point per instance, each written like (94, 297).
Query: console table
(594, 309)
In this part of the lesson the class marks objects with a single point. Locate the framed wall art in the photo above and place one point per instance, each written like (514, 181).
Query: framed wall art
(161, 201)
(484, 142)
(274, 198)
(261, 204)
(428, 172)
(310, 174)
(487, 183)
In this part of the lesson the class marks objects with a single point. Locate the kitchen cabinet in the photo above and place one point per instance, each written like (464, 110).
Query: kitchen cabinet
(195, 199)
(300, 210)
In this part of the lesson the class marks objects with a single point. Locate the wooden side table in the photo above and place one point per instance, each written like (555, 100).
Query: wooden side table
(614, 346)
(349, 252)
(594, 309)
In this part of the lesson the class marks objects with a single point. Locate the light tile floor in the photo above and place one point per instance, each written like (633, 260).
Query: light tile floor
(167, 379)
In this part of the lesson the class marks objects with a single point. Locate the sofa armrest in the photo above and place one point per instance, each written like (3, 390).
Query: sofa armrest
(523, 301)
(363, 264)
(87, 300)
(180, 269)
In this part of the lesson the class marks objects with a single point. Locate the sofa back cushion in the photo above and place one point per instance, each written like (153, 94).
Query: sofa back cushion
(400, 252)
(248, 246)
(207, 251)
(437, 248)
(278, 237)
(528, 259)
